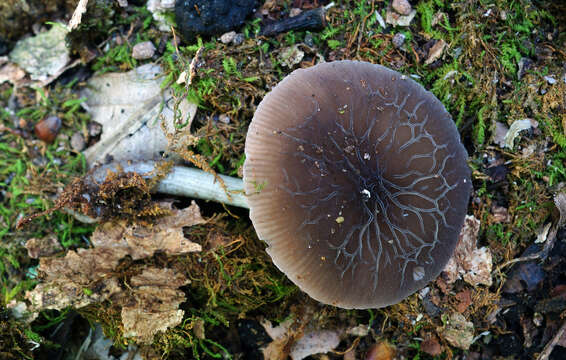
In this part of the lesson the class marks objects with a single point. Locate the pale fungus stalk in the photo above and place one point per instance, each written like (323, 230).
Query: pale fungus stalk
(186, 182)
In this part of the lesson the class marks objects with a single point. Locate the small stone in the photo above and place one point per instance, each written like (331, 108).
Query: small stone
(395, 19)
(398, 40)
(143, 50)
(294, 12)
(550, 79)
(48, 128)
(228, 37)
(94, 129)
(224, 119)
(22, 123)
(78, 142)
(238, 39)
(402, 7)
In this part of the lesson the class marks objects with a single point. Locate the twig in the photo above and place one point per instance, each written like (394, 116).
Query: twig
(78, 14)
(548, 245)
(311, 19)
(545, 354)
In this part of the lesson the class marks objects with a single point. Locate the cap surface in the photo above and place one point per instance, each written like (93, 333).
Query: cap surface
(357, 181)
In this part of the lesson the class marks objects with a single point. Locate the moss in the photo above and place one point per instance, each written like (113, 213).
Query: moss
(16, 342)
(476, 79)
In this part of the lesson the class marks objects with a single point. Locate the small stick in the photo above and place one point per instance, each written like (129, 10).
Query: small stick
(542, 254)
(545, 354)
(310, 19)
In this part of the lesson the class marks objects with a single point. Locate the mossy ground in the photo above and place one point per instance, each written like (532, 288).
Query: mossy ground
(476, 79)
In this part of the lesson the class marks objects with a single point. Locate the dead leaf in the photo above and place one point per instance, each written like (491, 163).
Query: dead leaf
(516, 127)
(156, 299)
(278, 349)
(46, 246)
(12, 73)
(80, 278)
(381, 351)
(86, 276)
(458, 331)
(134, 112)
(359, 330)
(435, 52)
(315, 342)
(291, 56)
(431, 346)
(468, 262)
(43, 55)
(501, 130)
(464, 300)
(138, 241)
(395, 19)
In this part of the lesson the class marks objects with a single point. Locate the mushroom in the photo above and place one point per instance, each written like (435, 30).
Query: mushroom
(357, 180)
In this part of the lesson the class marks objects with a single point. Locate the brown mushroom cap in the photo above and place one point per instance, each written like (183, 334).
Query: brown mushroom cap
(357, 181)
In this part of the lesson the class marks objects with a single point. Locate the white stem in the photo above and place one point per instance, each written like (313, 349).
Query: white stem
(187, 182)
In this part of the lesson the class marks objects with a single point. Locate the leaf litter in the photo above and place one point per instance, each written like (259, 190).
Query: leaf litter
(150, 299)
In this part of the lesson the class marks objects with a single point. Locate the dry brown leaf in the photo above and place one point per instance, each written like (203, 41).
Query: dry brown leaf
(381, 351)
(468, 262)
(80, 278)
(12, 73)
(46, 246)
(431, 346)
(154, 304)
(435, 52)
(86, 276)
(458, 331)
(140, 241)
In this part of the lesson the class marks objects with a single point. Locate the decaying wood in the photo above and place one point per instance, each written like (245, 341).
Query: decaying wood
(310, 19)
